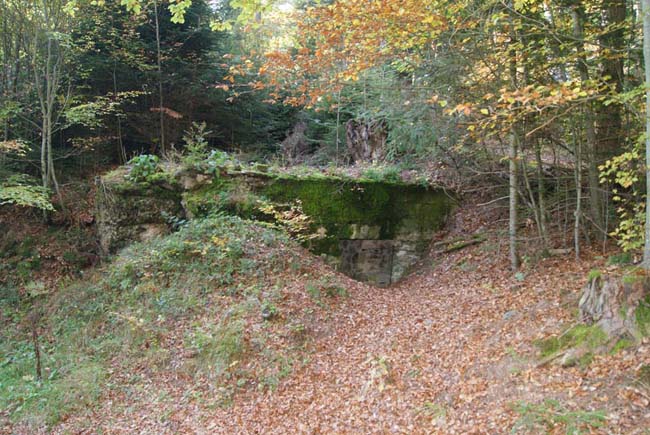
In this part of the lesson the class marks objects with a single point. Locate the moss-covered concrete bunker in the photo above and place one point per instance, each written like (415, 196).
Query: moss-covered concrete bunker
(372, 231)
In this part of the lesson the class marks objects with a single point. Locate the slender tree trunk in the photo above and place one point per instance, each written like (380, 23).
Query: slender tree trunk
(578, 179)
(512, 221)
(160, 85)
(534, 205)
(512, 160)
(121, 150)
(338, 126)
(541, 200)
(44, 167)
(645, 8)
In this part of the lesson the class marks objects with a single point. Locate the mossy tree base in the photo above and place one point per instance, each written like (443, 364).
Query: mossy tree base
(614, 314)
(617, 303)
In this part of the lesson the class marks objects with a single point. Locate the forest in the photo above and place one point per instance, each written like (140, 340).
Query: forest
(325, 216)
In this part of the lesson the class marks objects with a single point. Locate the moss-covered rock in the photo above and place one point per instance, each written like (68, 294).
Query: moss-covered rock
(338, 209)
(389, 211)
(128, 211)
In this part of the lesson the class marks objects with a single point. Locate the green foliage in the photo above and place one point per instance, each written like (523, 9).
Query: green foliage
(619, 259)
(21, 190)
(390, 174)
(94, 114)
(220, 159)
(624, 172)
(551, 413)
(414, 129)
(69, 384)
(269, 310)
(594, 274)
(292, 219)
(143, 168)
(174, 222)
(196, 144)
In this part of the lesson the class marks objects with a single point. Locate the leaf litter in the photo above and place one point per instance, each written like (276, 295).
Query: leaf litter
(448, 350)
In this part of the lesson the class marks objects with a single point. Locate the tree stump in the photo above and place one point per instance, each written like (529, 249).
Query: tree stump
(296, 146)
(366, 140)
(611, 303)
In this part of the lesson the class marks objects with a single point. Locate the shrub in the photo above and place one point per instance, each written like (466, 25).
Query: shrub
(196, 144)
(143, 167)
(218, 159)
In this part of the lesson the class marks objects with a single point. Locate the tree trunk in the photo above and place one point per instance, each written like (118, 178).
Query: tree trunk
(366, 140)
(645, 8)
(512, 206)
(595, 196)
(541, 199)
(512, 159)
(578, 180)
(161, 112)
(610, 137)
(609, 121)
(121, 151)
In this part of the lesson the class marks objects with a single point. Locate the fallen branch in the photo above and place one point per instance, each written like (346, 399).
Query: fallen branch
(560, 251)
(458, 243)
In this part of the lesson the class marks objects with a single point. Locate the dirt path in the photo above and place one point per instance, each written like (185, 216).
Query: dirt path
(446, 351)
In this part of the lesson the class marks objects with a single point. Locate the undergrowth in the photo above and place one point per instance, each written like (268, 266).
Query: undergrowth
(550, 415)
(204, 282)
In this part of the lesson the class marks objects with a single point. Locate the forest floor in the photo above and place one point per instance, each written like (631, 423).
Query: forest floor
(448, 350)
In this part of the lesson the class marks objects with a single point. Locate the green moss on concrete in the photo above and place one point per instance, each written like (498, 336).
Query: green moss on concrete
(336, 205)
(393, 210)
(162, 184)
